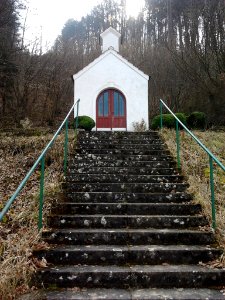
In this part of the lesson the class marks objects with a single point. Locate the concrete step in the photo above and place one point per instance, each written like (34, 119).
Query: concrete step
(112, 142)
(139, 276)
(124, 138)
(132, 255)
(121, 221)
(121, 151)
(140, 187)
(128, 237)
(109, 157)
(127, 294)
(108, 145)
(109, 197)
(127, 208)
(120, 163)
(117, 178)
(122, 170)
(117, 135)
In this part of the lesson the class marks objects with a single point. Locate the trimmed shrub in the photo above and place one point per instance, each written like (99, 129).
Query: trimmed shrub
(85, 122)
(197, 120)
(168, 120)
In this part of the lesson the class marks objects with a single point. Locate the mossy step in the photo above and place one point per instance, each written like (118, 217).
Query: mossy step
(82, 142)
(109, 197)
(63, 220)
(117, 134)
(120, 151)
(109, 157)
(120, 255)
(128, 236)
(117, 178)
(79, 163)
(139, 276)
(127, 294)
(122, 170)
(140, 187)
(128, 208)
(107, 145)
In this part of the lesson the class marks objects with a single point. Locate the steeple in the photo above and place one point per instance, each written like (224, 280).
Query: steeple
(111, 39)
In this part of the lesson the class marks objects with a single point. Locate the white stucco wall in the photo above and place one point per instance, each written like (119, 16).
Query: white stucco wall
(111, 72)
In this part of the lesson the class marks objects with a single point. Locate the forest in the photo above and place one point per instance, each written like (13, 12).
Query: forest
(179, 44)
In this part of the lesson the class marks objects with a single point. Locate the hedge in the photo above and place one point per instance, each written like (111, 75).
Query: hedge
(85, 122)
(168, 120)
(197, 120)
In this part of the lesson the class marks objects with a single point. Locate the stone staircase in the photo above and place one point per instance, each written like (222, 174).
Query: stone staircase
(127, 229)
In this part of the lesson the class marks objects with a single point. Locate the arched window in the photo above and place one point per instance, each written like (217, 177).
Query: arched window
(119, 104)
(103, 104)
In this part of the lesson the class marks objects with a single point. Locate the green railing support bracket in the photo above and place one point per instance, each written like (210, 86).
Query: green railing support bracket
(65, 147)
(212, 193)
(178, 144)
(41, 199)
(161, 118)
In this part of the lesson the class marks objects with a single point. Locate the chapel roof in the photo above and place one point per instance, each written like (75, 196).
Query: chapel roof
(102, 56)
(110, 30)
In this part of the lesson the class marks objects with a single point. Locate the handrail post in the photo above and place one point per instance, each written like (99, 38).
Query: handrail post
(178, 145)
(41, 200)
(76, 126)
(212, 193)
(161, 119)
(65, 147)
(76, 118)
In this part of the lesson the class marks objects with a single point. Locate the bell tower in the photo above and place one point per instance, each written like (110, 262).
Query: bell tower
(111, 39)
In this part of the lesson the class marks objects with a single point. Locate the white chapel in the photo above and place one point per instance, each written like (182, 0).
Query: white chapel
(112, 91)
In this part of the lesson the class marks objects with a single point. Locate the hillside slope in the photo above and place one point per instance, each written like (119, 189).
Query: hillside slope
(195, 166)
(19, 230)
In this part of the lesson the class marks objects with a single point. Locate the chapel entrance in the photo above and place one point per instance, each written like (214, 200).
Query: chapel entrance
(111, 109)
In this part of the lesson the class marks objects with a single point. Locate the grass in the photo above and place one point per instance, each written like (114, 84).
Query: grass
(19, 233)
(195, 166)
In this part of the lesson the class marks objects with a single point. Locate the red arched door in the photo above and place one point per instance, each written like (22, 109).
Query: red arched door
(111, 109)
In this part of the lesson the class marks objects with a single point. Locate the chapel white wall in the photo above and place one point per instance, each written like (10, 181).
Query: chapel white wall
(110, 72)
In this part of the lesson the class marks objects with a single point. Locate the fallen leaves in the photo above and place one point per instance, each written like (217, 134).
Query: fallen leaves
(218, 263)
(41, 246)
(40, 263)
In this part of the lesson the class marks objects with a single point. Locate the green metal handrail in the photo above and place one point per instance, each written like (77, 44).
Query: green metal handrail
(41, 160)
(212, 158)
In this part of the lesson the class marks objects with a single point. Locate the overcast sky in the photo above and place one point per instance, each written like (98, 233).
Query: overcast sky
(49, 16)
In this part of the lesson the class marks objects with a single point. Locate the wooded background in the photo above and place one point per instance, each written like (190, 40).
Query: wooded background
(178, 43)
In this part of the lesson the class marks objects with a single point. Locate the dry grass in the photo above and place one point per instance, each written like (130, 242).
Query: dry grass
(195, 166)
(19, 233)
